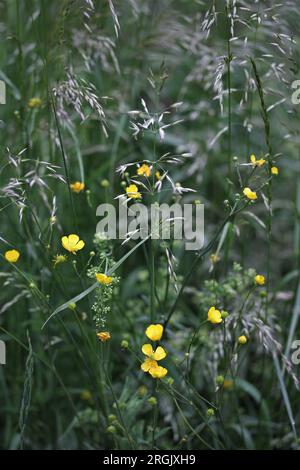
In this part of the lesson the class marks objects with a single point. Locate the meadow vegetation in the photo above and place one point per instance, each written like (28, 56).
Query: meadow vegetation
(144, 344)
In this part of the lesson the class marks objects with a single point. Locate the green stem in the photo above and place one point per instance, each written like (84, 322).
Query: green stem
(228, 61)
(152, 282)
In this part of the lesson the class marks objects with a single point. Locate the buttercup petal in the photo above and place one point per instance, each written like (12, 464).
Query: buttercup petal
(159, 353)
(145, 366)
(158, 372)
(65, 242)
(147, 350)
(80, 245)
(73, 239)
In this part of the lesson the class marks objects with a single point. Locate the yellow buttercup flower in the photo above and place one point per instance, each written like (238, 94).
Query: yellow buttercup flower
(242, 339)
(77, 187)
(72, 243)
(150, 364)
(58, 259)
(154, 332)
(274, 170)
(103, 336)
(260, 279)
(12, 256)
(255, 162)
(157, 175)
(214, 315)
(34, 102)
(132, 192)
(104, 279)
(249, 193)
(144, 170)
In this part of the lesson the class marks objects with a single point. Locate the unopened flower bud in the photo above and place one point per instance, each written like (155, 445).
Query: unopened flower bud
(111, 429)
(72, 306)
(224, 314)
(152, 401)
(104, 183)
(220, 379)
(242, 339)
(111, 418)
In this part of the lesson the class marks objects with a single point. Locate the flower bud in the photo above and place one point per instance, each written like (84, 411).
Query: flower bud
(104, 183)
(111, 429)
(210, 412)
(152, 401)
(112, 418)
(224, 314)
(142, 390)
(220, 379)
(242, 339)
(72, 306)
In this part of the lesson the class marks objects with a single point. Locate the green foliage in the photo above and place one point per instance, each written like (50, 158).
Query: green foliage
(173, 97)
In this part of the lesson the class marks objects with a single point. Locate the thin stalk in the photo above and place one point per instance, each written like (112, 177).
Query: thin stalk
(269, 184)
(152, 281)
(198, 258)
(228, 62)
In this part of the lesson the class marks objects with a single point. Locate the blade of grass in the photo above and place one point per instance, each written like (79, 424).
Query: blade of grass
(96, 284)
(285, 395)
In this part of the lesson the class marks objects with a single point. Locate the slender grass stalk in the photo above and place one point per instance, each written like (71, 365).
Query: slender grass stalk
(228, 63)
(266, 121)
(152, 281)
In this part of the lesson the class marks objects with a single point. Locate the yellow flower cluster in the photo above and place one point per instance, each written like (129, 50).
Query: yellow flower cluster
(150, 365)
